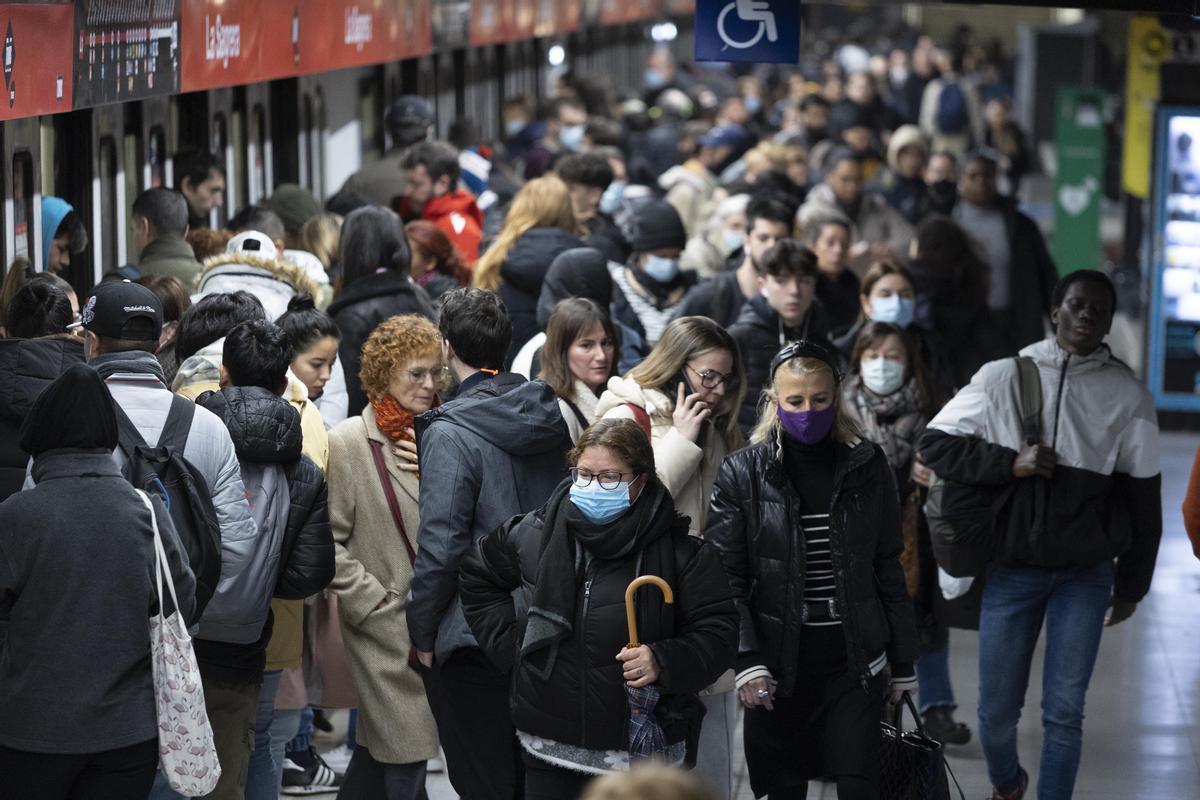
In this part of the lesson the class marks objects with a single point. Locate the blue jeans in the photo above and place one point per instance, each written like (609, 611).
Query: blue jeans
(1071, 602)
(933, 680)
(303, 738)
(261, 783)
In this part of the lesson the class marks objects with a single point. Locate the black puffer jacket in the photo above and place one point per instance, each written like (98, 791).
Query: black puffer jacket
(360, 308)
(760, 334)
(265, 430)
(27, 367)
(521, 276)
(583, 701)
(754, 523)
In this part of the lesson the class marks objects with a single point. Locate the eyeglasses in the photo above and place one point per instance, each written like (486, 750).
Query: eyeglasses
(440, 375)
(711, 379)
(608, 480)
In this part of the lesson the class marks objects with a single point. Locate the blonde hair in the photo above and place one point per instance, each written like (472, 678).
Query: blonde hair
(845, 430)
(773, 156)
(541, 203)
(322, 236)
(650, 782)
(684, 339)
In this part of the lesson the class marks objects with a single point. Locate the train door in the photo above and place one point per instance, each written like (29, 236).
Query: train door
(259, 152)
(225, 135)
(157, 143)
(312, 139)
(107, 230)
(22, 191)
(449, 74)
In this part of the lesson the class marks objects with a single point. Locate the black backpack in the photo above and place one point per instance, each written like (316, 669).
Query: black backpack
(962, 518)
(162, 470)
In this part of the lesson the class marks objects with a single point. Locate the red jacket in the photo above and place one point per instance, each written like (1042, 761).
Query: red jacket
(456, 214)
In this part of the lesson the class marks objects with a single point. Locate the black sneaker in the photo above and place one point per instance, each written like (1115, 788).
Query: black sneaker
(940, 724)
(316, 778)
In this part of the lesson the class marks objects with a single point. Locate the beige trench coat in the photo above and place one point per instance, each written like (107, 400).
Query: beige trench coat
(394, 720)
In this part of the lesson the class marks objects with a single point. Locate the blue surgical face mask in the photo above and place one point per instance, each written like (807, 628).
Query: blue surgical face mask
(653, 79)
(611, 200)
(753, 104)
(894, 309)
(661, 269)
(571, 137)
(601, 505)
(513, 127)
(882, 375)
(732, 239)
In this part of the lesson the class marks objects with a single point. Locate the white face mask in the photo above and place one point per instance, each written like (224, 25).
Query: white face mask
(732, 239)
(571, 138)
(882, 375)
(661, 269)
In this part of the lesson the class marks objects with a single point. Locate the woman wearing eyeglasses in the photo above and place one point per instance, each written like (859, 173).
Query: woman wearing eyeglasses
(372, 467)
(564, 640)
(807, 521)
(686, 394)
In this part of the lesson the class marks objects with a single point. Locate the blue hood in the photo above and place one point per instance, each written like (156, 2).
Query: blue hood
(54, 211)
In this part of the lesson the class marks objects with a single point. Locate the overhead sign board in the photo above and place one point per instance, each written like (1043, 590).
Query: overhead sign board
(761, 31)
(36, 58)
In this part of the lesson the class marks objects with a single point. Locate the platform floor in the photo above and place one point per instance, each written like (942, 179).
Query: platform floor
(1142, 732)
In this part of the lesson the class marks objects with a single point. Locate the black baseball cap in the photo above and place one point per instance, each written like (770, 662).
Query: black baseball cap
(410, 111)
(123, 310)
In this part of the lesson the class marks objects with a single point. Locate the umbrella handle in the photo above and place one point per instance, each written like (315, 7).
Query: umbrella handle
(630, 616)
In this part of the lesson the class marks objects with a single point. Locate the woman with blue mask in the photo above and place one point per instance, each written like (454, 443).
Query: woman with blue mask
(807, 521)
(888, 395)
(565, 640)
(718, 246)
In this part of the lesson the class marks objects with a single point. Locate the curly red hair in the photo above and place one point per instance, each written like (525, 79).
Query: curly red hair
(396, 342)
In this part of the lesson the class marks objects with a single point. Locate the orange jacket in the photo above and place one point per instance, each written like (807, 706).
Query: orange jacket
(1191, 507)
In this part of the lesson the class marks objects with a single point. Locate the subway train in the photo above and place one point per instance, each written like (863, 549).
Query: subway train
(314, 129)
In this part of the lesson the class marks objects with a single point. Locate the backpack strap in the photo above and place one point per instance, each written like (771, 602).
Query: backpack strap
(178, 425)
(385, 481)
(1030, 391)
(128, 436)
(641, 417)
(583, 422)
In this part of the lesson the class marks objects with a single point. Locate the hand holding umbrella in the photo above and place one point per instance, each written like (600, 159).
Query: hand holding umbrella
(641, 670)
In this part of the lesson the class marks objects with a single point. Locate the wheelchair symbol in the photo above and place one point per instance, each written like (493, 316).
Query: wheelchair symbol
(748, 11)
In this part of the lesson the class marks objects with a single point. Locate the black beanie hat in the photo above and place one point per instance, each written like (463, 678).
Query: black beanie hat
(656, 225)
(578, 272)
(75, 412)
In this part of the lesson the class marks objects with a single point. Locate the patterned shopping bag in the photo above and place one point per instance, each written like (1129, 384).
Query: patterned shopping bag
(187, 755)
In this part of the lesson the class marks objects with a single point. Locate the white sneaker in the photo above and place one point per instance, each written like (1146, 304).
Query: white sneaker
(338, 759)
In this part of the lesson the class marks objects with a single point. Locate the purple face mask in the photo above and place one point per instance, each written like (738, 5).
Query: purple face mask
(808, 427)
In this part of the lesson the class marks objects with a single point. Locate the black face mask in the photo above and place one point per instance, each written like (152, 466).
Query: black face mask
(944, 195)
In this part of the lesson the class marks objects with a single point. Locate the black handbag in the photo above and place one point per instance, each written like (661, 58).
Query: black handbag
(912, 764)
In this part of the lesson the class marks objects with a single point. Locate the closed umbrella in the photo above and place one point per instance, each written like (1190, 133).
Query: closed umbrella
(645, 734)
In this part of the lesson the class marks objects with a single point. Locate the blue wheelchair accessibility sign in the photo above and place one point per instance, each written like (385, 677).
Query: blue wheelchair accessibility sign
(748, 30)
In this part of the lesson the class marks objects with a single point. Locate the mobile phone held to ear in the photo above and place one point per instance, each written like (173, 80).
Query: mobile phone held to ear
(672, 386)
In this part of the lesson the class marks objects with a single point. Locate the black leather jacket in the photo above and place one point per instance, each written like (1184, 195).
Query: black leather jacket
(754, 523)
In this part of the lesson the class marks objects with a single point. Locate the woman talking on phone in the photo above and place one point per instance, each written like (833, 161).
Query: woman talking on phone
(686, 396)
(807, 521)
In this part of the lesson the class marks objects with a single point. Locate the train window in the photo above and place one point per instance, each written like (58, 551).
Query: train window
(260, 180)
(369, 112)
(156, 157)
(314, 110)
(239, 196)
(220, 146)
(23, 233)
(108, 244)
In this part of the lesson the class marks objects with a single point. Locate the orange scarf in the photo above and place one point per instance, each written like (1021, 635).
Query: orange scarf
(391, 417)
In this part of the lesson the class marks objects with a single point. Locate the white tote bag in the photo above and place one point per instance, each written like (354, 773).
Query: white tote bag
(187, 755)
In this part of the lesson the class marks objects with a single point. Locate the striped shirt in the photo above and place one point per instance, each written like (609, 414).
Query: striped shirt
(820, 586)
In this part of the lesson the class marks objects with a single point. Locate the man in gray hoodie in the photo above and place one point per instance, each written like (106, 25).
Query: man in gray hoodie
(496, 450)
